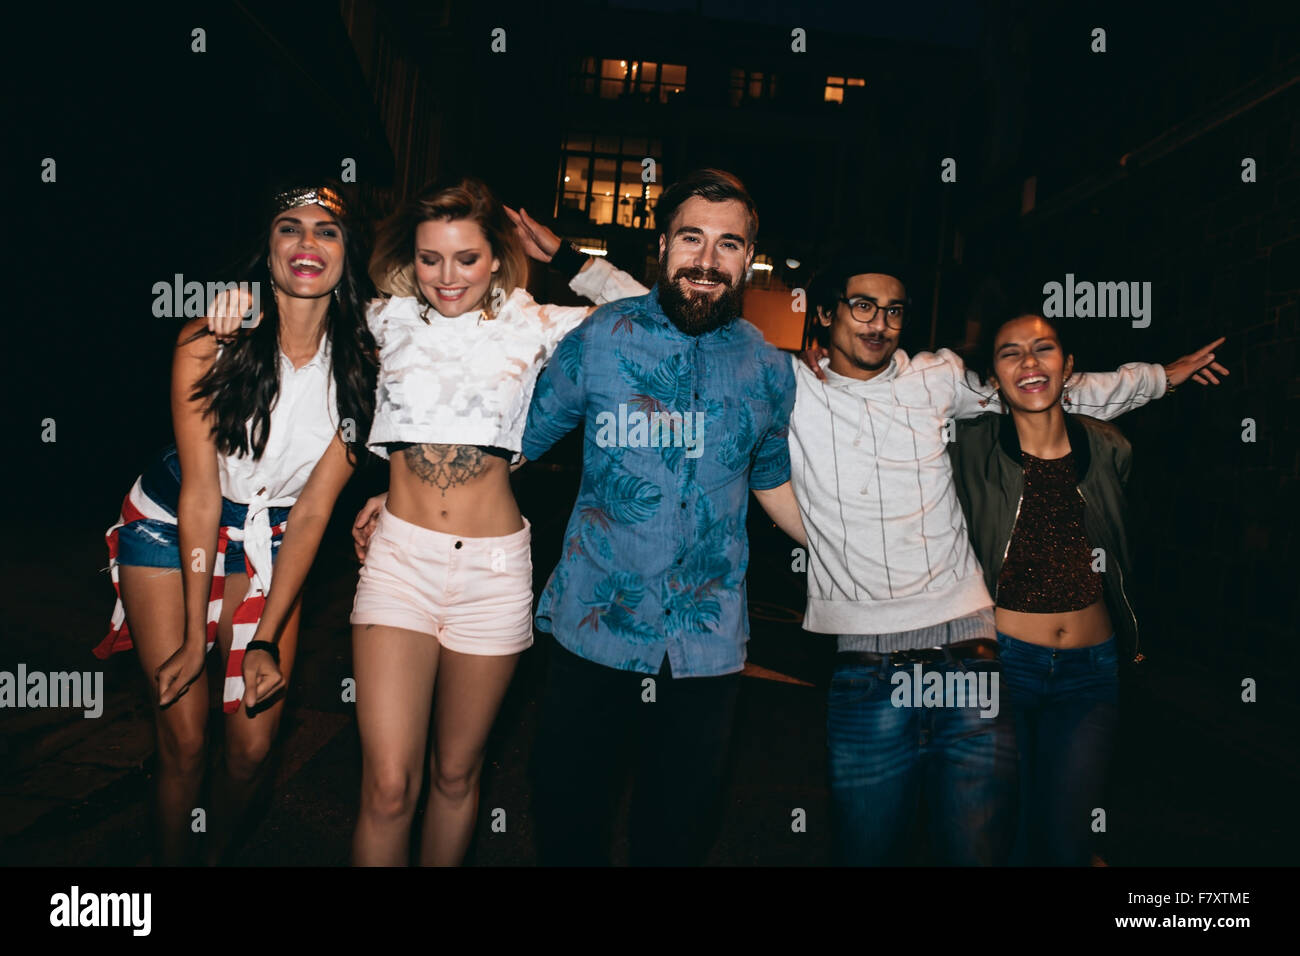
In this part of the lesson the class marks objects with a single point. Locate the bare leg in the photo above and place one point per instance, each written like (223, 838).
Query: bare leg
(395, 670)
(248, 739)
(155, 613)
(470, 690)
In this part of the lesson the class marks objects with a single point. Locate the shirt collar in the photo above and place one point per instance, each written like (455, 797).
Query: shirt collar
(320, 359)
(851, 383)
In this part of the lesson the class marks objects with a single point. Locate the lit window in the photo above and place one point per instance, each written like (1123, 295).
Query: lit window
(751, 86)
(835, 86)
(601, 179)
(613, 78)
(616, 79)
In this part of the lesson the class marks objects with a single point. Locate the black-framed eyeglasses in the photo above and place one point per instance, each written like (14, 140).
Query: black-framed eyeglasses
(864, 310)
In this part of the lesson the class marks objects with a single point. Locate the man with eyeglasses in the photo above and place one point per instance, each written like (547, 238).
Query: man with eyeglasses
(891, 572)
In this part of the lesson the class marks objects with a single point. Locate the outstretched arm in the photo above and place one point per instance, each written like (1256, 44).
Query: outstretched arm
(1103, 395)
(592, 278)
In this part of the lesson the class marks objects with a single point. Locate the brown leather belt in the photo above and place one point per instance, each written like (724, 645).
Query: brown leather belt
(981, 647)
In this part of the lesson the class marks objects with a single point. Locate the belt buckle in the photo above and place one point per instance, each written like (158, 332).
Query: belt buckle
(902, 658)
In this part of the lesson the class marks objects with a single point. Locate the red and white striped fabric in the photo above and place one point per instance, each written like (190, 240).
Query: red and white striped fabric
(256, 534)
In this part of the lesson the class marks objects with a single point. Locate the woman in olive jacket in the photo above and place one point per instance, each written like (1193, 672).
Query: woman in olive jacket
(1043, 495)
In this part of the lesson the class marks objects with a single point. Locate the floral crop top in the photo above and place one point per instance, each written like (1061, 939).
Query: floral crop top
(468, 380)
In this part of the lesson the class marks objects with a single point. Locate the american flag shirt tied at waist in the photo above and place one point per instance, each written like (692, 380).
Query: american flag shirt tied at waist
(256, 532)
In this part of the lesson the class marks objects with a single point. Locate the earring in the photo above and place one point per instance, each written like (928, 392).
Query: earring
(270, 276)
(337, 297)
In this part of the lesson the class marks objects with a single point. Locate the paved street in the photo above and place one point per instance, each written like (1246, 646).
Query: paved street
(1201, 778)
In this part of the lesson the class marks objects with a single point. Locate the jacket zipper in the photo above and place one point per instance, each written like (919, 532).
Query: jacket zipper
(1138, 656)
(1005, 551)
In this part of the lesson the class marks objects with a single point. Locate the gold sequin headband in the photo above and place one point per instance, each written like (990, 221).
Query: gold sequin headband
(322, 196)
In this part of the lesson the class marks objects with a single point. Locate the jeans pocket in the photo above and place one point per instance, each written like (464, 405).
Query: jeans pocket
(856, 685)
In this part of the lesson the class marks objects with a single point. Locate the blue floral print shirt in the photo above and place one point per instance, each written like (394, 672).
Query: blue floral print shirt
(678, 429)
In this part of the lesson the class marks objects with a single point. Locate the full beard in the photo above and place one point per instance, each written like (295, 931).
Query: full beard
(696, 313)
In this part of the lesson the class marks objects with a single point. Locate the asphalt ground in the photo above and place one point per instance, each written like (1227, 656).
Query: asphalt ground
(1199, 778)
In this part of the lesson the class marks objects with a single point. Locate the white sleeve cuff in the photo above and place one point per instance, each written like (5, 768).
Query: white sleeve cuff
(590, 281)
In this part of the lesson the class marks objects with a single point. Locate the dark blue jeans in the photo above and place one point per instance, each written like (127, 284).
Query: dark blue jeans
(887, 755)
(1066, 711)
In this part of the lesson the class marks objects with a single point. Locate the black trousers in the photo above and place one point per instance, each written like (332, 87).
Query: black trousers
(589, 712)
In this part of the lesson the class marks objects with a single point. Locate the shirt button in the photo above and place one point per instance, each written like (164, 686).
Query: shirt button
(683, 504)
(667, 612)
(697, 396)
(458, 544)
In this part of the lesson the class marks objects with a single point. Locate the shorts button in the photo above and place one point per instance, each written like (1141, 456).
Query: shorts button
(458, 544)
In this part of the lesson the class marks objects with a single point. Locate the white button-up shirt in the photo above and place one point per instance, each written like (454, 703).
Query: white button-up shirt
(304, 420)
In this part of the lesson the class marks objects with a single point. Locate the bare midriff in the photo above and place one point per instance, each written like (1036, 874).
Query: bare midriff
(1063, 629)
(455, 489)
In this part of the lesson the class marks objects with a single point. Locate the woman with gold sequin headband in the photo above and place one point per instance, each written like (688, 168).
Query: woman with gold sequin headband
(269, 422)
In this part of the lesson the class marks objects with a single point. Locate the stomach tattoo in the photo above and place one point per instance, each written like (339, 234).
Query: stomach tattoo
(446, 466)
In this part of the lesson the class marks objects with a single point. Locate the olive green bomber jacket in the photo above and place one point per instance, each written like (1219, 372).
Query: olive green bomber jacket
(990, 486)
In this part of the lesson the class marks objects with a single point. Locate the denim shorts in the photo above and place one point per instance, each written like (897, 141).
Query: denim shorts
(154, 543)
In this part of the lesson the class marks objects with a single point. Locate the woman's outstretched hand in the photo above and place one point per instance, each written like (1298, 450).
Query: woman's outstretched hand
(538, 241)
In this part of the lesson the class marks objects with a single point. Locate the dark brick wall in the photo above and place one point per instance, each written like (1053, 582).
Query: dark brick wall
(1215, 517)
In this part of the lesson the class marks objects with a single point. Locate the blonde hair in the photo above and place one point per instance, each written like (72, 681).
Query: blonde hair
(392, 266)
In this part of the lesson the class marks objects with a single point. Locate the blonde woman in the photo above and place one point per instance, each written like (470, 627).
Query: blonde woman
(444, 602)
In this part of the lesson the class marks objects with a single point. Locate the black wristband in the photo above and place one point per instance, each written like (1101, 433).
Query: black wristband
(267, 646)
(568, 259)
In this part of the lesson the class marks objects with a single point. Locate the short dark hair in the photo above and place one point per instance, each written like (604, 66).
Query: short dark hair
(713, 185)
(830, 282)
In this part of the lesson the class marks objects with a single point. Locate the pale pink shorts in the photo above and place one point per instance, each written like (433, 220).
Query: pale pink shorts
(475, 595)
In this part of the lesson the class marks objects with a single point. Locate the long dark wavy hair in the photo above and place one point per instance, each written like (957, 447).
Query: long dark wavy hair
(240, 387)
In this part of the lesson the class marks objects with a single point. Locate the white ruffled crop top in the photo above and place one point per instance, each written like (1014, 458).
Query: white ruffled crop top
(468, 380)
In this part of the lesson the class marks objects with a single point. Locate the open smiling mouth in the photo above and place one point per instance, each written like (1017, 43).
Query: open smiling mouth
(701, 280)
(1032, 383)
(306, 267)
